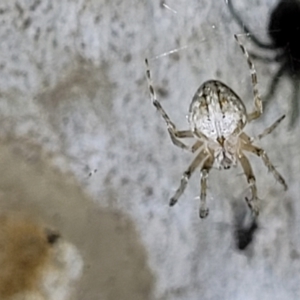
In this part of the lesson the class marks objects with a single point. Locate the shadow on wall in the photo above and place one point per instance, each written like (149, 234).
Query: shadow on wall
(114, 260)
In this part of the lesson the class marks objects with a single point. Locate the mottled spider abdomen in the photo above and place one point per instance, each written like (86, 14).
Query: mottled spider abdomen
(216, 111)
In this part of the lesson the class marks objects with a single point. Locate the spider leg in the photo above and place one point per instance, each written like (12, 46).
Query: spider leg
(246, 28)
(257, 100)
(269, 129)
(196, 146)
(274, 84)
(200, 158)
(203, 211)
(261, 153)
(249, 140)
(295, 104)
(173, 132)
(253, 203)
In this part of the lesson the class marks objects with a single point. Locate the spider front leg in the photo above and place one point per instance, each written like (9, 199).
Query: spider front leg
(253, 202)
(258, 108)
(173, 132)
(199, 159)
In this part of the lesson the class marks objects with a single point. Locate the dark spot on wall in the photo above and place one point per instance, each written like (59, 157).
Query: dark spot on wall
(37, 34)
(162, 92)
(127, 58)
(124, 181)
(148, 191)
(19, 8)
(294, 254)
(218, 73)
(27, 23)
(54, 43)
(35, 5)
(141, 177)
(52, 236)
(126, 99)
(97, 19)
(175, 56)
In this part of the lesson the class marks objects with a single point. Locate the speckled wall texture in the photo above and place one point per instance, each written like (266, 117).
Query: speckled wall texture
(83, 151)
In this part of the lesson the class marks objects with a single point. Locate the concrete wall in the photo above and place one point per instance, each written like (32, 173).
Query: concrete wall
(84, 149)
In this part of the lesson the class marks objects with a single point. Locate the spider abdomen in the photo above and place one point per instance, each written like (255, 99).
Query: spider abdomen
(216, 111)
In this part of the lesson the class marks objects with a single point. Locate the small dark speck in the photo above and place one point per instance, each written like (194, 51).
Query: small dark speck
(114, 33)
(35, 5)
(111, 155)
(97, 19)
(150, 215)
(148, 191)
(127, 58)
(26, 23)
(54, 43)
(175, 56)
(294, 255)
(141, 177)
(19, 8)
(52, 237)
(126, 99)
(2, 11)
(174, 158)
(124, 181)
(162, 92)
(37, 34)
(93, 172)
(218, 73)
(149, 157)
(112, 47)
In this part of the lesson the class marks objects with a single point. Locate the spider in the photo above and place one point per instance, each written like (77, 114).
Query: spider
(284, 32)
(217, 117)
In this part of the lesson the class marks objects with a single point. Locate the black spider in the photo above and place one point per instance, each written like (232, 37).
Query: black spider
(284, 33)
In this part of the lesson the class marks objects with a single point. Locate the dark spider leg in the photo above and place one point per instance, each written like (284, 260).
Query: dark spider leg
(295, 104)
(274, 84)
(246, 29)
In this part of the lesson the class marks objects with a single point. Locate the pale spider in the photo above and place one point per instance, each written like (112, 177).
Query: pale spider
(217, 117)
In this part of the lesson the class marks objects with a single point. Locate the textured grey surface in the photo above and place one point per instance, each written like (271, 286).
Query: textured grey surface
(72, 80)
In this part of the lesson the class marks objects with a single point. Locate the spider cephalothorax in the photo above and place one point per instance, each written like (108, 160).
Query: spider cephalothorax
(217, 117)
